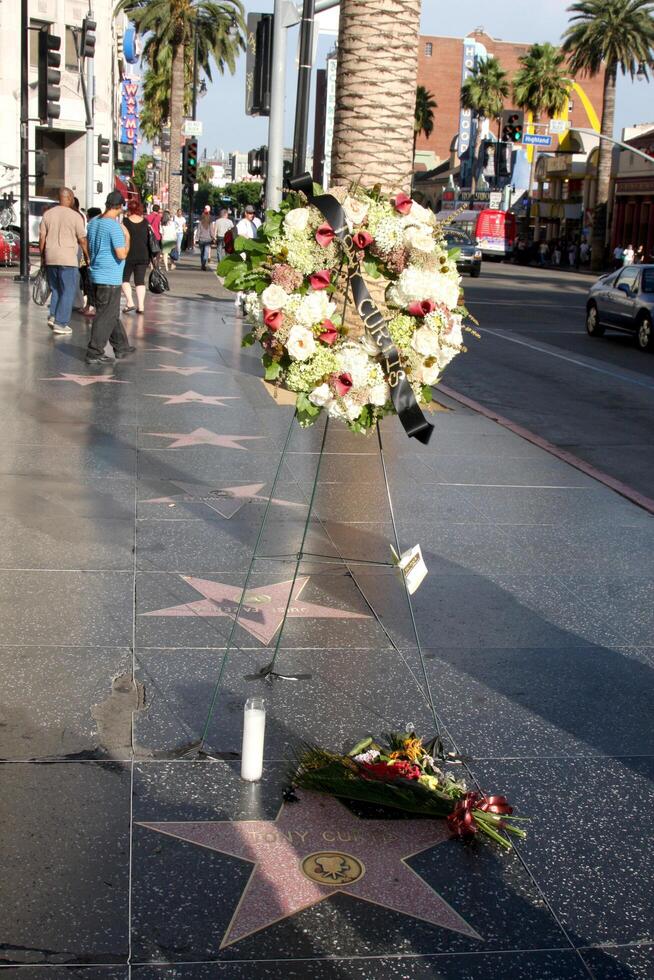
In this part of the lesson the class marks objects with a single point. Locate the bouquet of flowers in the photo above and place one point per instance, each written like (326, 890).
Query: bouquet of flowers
(316, 340)
(400, 771)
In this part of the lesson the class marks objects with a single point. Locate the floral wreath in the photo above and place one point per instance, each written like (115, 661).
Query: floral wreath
(298, 278)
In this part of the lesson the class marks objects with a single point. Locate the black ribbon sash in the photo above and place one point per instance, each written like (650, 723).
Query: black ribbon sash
(404, 401)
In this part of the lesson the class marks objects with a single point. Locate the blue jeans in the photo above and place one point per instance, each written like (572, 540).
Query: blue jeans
(63, 280)
(205, 252)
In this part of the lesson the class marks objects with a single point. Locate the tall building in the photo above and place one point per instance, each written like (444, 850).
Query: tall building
(63, 139)
(444, 63)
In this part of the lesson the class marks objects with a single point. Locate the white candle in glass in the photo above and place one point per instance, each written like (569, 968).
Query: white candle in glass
(254, 728)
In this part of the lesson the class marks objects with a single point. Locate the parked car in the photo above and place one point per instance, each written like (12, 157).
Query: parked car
(9, 247)
(624, 301)
(38, 207)
(469, 257)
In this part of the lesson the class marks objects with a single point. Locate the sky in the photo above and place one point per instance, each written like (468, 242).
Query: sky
(227, 127)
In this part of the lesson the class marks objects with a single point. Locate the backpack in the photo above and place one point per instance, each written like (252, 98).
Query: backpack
(228, 241)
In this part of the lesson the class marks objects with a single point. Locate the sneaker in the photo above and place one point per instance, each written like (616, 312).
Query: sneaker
(51, 322)
(61, 328)
(98, 359)
(120, 354)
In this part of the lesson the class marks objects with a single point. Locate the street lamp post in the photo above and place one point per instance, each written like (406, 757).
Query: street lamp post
(303, 88)
(194, 109)
(24, 274)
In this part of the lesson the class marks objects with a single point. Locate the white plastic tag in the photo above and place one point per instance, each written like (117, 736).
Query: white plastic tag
(412, 565)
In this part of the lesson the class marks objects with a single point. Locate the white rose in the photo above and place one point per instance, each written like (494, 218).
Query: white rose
(301, 343)
(353, 360)
(455, 334)
(424, 215)
(297, 219)
(274, 297)
(430, 373)
(352, 409)
(425, 342)
(421, 238)
(379, 394)
(355, 211)
(321, 396)
(314, 308)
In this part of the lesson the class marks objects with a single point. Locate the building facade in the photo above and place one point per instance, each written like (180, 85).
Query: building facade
(63, 139)
(442, 66)
(633, 211)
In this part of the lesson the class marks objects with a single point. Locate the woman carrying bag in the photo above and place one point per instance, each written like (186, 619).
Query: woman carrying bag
(138, 257)
(168, 239)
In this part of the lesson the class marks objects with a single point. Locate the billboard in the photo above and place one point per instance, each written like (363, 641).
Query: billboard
(129, 111)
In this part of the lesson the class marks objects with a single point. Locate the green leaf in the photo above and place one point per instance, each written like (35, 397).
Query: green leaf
(371, 266)
(302, 404)
(426, 393)
(272, 368)
(248, 340)
(273, 223)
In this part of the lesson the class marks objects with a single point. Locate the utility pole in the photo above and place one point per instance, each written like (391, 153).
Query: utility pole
(275, 175)
(24, 274)
(303, 89)
(90, 87)
(194, 109)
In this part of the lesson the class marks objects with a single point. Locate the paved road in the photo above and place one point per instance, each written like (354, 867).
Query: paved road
(536, 365)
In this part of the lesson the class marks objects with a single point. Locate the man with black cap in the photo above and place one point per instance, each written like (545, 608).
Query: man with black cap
(108, 248)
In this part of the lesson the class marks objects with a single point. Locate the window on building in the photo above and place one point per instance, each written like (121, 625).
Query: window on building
(571, 105)
(72, 63)
(429, 49)
(35, 27)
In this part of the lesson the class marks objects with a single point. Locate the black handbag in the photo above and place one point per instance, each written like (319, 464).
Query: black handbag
(154, 248)
(40, 287)
(158, 281)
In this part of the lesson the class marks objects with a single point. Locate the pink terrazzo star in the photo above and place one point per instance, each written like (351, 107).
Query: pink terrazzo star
(203, 437)
(186, 372)
(154, 348)
(86, 379)
(262, 611)
(315, 849)
(194, 396)
(226, 501)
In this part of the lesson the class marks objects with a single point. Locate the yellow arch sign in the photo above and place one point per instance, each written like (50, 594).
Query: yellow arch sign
(589, 109)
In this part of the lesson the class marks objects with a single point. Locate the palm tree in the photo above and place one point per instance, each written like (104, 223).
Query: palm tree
(608, 34)
(539, 87)
(376, 93)
(171, 26)
(483, 93)
(424, 118)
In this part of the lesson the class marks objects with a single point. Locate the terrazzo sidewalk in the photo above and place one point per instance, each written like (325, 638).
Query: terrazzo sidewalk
(131, 498)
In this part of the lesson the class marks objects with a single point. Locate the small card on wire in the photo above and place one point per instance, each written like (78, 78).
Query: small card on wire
(412, 565)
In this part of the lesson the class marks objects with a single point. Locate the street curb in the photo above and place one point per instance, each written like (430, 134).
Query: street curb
(647, 503)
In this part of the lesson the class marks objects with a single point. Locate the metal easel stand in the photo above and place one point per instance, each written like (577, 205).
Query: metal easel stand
(269, 673)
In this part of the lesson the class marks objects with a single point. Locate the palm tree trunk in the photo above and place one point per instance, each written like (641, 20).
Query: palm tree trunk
(376, 93)
(176, 126)
(475, 155)
(598, 240)
(530, 192)
(415, 140)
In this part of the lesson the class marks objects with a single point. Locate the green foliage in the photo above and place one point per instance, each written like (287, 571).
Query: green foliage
(140, 168)
(305, 411)
(243, 192)
(618, 33)
(427, 395)
(541, 85)
(205, 174)
(272, 368)
(424, 115)
(485, 89)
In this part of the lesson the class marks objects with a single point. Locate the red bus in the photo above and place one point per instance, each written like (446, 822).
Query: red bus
(493, 232)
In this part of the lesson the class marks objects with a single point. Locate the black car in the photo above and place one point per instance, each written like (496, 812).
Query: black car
(623, 300)
(469, 257)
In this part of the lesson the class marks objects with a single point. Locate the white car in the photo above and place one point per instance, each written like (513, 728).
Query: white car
(38, 207)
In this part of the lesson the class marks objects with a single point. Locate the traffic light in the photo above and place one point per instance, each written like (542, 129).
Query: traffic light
(190, 162)
(49, 92)
(258, 162)
(87, 43)
(513, 121)
(262, 66)
(104, 147)
(503, 159)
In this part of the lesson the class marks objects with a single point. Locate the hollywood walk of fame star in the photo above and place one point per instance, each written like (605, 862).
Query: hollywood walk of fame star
(186, 372)
(315, 849)
(194, 396)
(262, 612)
(86, 379)
(154, 348)
(226, 501)
(202, 437)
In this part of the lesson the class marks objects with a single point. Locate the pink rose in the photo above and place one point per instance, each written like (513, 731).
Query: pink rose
(421, 307)
(361, 239)
(320, 280)
(329, 333)
(273, 319)
(325, 235)
(402, 203)
(342, 383)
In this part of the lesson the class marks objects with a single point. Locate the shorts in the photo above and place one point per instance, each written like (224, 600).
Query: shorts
(137, 269)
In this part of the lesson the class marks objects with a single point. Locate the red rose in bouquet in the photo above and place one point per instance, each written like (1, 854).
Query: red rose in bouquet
(361, 239)
(325, 235)
(329, 333)
(342, 383)
(388, 771)
(421, 307)
(273, 319)
(402, 203)
(320, 280)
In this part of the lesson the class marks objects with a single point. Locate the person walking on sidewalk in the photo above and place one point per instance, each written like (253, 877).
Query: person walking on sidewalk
(247, 227)
(168, 239)
(204, 237)
(61, 234)
(109, 243)
(180, 226)
(154, 220)
(138, 256)
(221, 226)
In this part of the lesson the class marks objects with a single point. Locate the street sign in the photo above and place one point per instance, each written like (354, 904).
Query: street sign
(536, 139)
(192, 127)
(495, 200)
(559, 126)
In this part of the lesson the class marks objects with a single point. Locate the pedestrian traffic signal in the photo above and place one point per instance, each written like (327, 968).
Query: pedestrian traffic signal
(104, 147)
(49, 92)
(258, 162)
(513, 121)
(503, 159)
(87, 42)
(262, 75)
(190, 162)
